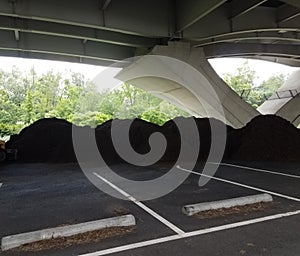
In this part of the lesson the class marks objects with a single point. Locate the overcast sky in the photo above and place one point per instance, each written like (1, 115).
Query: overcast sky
(263, 69)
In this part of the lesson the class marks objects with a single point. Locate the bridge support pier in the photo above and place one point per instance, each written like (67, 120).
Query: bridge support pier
(198, 94)
(286, 101)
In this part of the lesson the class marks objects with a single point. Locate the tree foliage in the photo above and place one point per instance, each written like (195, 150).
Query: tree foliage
(28, 97)
(243, 83)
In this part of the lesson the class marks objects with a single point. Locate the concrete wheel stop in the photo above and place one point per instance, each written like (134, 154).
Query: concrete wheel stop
(192, 209)
(14, 241)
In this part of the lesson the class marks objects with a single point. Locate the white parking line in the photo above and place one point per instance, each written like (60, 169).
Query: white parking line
(190, 234)
(141, 205)
(240, 184)
(134, 245)
(1, 185)
(258, 170)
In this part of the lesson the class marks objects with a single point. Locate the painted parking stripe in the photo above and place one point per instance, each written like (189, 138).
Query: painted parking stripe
(257, 170)
(241, 185)
(1, 185)
(134, 245)
(190, 234)
(143, 206)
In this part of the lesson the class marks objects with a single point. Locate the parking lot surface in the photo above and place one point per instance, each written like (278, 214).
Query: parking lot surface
(38, 196)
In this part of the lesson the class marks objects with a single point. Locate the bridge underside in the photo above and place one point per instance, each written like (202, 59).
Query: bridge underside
(105, 31)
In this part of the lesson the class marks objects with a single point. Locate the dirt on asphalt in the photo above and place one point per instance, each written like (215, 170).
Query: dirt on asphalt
(245, 210)
(85, 238)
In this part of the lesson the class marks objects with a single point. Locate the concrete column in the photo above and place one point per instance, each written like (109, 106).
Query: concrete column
(198, 91)
(286, 101)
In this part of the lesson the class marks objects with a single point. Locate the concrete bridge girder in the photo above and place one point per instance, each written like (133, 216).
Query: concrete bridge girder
(105, 31)
(291, 111)
(286, 101)
(201, 97)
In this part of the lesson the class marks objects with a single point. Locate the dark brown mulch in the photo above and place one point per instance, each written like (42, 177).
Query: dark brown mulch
(85, 238)
(246, 209)
(265, 138)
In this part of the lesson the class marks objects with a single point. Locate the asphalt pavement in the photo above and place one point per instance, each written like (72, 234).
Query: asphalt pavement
(38, 196)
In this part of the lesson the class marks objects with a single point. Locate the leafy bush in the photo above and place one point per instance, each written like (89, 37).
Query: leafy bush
(91, 119)
(9, 129)
(155, 117)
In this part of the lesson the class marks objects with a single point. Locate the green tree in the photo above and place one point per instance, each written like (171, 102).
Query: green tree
(27, 97)
(271, 85)
(91, 119)
(90, 99)
(242, 82)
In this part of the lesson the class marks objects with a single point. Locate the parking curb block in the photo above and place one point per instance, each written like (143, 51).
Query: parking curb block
(13, 241)
(227, 203)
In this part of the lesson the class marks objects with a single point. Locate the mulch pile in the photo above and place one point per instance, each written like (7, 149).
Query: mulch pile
(265, 138)
(47, 140)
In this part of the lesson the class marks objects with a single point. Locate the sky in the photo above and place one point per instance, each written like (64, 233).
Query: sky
(263, 69)
(43, 66)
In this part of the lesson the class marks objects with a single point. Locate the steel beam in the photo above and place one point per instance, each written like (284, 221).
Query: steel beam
(274, 35)
(293, 62)
(137, 17)
(36, 43)
(248, 22)
(108, 31)
(295, 3)
(232, 49)
(239, 8)
(287, 13)
(258, 40)
(191, 11)
(64, 30)
(53, 56)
